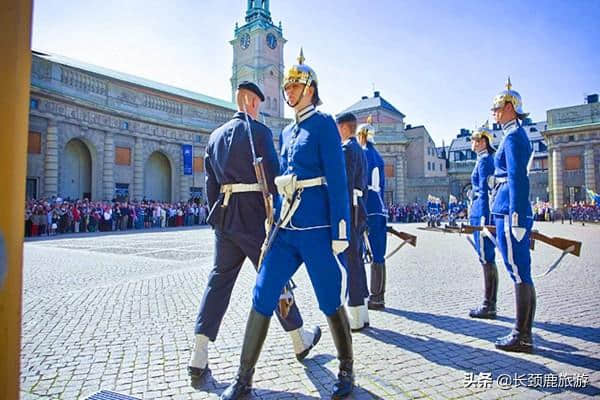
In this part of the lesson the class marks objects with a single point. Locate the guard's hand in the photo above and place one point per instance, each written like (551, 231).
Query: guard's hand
(338, 246)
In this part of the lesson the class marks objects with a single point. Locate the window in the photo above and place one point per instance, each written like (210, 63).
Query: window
(121, 191)
(197, 139)
(571, 138)
(33, 104)
(544, 163)
(572, 163)
(441, 167)
(389, 171)
(122, 155)
(428, 151)
(533, 129)
(275, 104)
(428, 165)
(34, 143)
(31, 188)
(543, 146)
(196, 192)
(198, 164)
(125, 125)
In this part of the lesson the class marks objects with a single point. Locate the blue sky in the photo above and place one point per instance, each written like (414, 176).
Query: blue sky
(439, 62)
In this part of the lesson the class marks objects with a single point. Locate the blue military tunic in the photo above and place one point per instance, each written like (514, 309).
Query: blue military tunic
(310, 148)
(356, 172)
(511, 205)
(239, 228)
(376, 211)
(480, 206)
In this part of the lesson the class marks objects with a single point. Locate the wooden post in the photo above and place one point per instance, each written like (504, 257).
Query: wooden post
(15, 70)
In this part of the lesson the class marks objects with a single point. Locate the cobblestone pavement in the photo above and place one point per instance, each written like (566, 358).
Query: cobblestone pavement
(117, 313)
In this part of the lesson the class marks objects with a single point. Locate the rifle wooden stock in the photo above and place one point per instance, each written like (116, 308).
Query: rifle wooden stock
(561, 243)
(410, 239)
(259, 171)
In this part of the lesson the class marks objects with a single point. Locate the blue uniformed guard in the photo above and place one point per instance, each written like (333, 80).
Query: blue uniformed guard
(238, 218)
(376, 214)
(356, 171)
(513, 214)
(482, 144)
(313, 227)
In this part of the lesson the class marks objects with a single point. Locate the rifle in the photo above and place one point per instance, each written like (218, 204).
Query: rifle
(286, 300)
(405, 237)
(567, 246)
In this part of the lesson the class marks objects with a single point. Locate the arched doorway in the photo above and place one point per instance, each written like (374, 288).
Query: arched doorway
(77, 171)
(157, 178)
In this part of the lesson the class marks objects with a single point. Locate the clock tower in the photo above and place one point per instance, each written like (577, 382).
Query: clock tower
(258, 56)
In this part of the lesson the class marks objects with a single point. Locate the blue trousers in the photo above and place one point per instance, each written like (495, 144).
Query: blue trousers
(358, 290)
(516, 254)
(230, 252)
(290, 249)
(377, 237)
(485, 247)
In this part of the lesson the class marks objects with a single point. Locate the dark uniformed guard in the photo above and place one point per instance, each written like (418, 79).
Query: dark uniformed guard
(513, 214)
(481, 143)
(313, 226)
(356, 171)
(376, 215)
(238, 218)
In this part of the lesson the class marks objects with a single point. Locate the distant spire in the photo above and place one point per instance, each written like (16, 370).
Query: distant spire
(370, 119)
(301, 57)
(508, 84)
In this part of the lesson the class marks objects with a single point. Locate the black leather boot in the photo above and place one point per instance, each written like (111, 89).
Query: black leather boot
(521, 339)
(490, 281)
(342, 338)
(378, 277)
(254, 337)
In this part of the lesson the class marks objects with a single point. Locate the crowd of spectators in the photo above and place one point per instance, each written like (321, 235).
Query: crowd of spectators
(578, 212)
(57, 216)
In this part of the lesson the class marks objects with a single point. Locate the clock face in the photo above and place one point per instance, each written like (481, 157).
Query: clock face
(245, 41)
(271, 41)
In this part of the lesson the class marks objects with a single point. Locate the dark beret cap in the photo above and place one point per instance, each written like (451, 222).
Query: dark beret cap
(345, 117)
(251, 86)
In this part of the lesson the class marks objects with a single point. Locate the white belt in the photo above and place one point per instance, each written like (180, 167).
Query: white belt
(289, 207)
(229, 188)
(306, 183)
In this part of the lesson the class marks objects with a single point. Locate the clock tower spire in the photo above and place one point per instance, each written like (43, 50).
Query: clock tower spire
(258, 55)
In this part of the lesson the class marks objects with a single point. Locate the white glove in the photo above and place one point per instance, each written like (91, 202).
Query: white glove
(518, 232)
(338, 246)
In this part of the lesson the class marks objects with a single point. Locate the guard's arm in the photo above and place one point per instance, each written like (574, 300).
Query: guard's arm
(332, 159)
(212, 186)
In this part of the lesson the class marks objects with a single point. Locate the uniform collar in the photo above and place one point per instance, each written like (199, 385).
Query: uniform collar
(509, 126)
(305, 113)
(242, 115)
(482, 153)
(349, 139)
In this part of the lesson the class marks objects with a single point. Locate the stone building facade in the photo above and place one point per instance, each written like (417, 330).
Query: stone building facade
(391, 142)
(101, 134)
(573, 138)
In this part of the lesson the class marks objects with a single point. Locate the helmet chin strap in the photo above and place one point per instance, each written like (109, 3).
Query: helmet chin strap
(306, 86)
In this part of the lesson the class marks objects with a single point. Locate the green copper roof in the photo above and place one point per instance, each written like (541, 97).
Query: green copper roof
(135, 80)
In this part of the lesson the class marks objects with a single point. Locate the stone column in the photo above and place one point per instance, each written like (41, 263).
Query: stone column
(588, 167)
(51, 161)
(401, 176)
(557, 179)
(108, 176)
(184, 185)
(138, 169)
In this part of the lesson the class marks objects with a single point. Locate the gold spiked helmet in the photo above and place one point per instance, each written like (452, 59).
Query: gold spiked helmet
(303, 74)
(510, 96)
(366, 131)
(484, 131)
